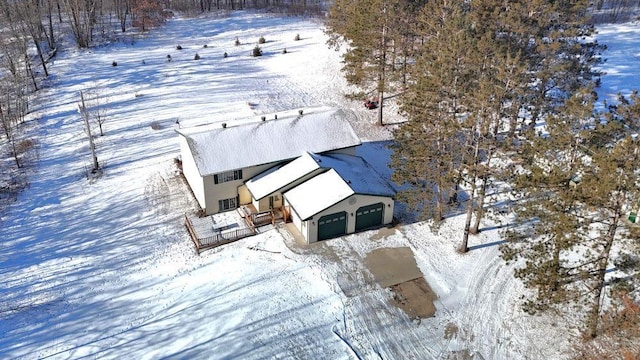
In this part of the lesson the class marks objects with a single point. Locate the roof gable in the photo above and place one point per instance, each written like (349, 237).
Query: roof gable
(318, 193)
(263, 142)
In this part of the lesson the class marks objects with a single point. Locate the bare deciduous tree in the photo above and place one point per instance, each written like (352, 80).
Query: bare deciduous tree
(97, 107)
(82, 13)
(84, 112)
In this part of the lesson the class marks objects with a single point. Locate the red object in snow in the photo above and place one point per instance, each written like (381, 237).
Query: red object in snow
(370, 104)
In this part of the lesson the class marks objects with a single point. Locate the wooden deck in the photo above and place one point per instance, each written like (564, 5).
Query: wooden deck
(272, 216)
(205, 235)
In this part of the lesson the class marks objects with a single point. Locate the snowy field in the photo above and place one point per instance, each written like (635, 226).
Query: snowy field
(105, 268)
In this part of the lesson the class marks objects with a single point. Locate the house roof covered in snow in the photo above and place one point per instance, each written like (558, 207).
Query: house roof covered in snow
(261, 142)
(318, 193)
(347, 175)
(277, 178)
(358, 173)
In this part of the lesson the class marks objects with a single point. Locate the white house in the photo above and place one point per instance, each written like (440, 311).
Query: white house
(302, 162)
(218, 159)
(327, 195)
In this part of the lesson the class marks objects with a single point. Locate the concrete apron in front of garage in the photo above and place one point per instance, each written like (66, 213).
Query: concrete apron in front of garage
(396, 268)
(392, 266)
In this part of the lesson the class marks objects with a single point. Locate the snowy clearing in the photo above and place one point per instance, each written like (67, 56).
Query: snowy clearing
(105, 268)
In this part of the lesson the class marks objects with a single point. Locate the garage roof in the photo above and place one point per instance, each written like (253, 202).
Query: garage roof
(348, 175)
(358, 173)
(318, 193)
(221, 149)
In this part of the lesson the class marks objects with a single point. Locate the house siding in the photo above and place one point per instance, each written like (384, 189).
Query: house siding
(230, 189)
(297, 222)
(191, 173)
(263, 204)
(244, 195)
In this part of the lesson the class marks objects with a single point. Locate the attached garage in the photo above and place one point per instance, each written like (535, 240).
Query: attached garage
(369, 216)
(332, 225)
(334, 204)
(327, 206)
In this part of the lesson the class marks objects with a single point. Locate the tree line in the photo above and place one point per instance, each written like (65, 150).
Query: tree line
(501, 110)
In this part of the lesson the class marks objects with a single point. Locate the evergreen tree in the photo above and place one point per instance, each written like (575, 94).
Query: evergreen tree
(548, 209)
(579, 182)
(428, 147)
(612, 186)
(365, 26)
(484, 66)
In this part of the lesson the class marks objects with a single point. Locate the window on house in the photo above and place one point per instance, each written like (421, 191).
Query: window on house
(228, 204)
(227, 176)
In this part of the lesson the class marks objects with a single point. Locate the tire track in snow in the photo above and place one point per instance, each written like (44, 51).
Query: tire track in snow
(489, 297)
(373, 323)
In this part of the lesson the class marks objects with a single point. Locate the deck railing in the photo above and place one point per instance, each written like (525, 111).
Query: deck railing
(253, 220)
(216, 240)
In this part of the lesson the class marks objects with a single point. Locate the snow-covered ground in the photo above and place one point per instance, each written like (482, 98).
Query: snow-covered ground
(105, 269)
